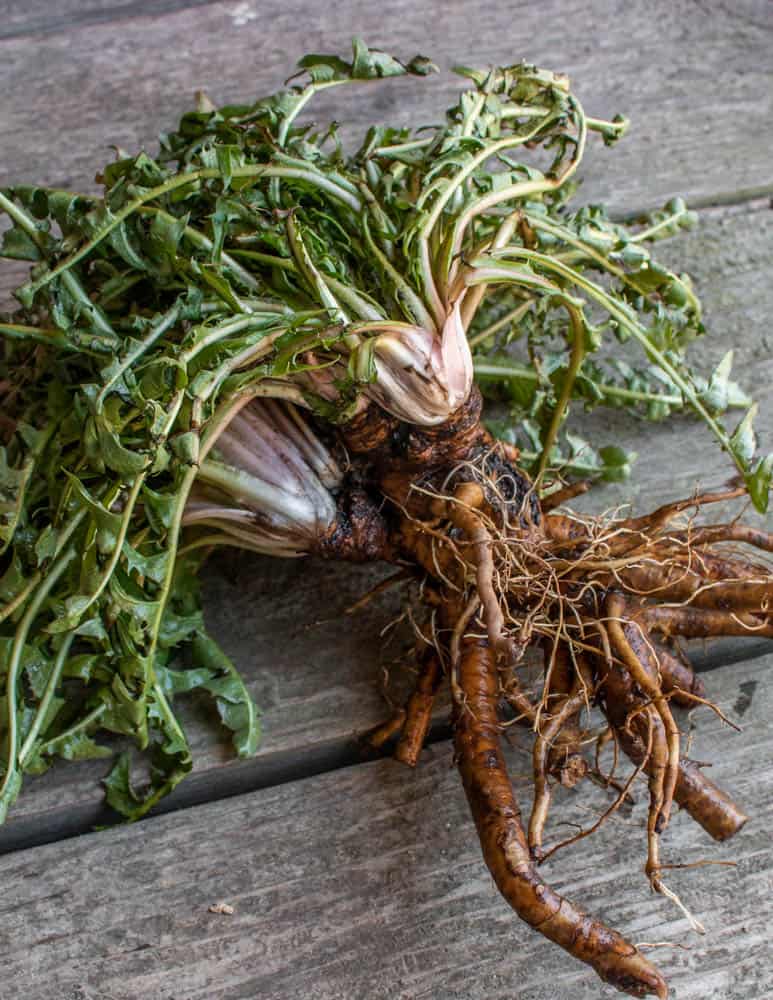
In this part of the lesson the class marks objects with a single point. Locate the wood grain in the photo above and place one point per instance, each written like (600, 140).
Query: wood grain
(697, 86)
(79, 75)
(321, 684)
(41, 17)
(369, 883)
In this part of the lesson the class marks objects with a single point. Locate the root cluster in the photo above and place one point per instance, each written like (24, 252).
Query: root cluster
(606, 602)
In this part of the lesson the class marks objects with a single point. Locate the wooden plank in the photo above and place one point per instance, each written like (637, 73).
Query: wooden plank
(702, 126)
(727, 258)
(315, 673)
(319, 685)
(40, 17)
(368, 882)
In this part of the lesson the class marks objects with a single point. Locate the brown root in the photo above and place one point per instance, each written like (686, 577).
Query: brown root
(707, 804)
(713, 808)
(663, 515)
(564, 494)
(463, 512)
(677, 678)
(566, 707)
(710, 534)
(381, 734)
(418, 712)
(630, 644)
(677, 583)
(498, 820)
(604, 598)
(694, 623)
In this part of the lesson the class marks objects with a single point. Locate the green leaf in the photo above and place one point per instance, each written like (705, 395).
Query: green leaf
(78, 746)
(13, 485)
(35, 663)
(118, 787)
(123, 243)
(166, 232)
(177, 627)
(369, 64)
(716, 395)
(108, 523)
(113, 453)
(150, 567)
(160, 508)
(228, 157)
(744, 440)
(46, 544)
(19, 245)
(758, 483)
(234, 703)
(175, 682)
(323, 68)
(616, 463)
(13, 580)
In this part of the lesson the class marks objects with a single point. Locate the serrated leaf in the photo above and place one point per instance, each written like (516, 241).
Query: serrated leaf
(150, 567)
(13, 484)
(114, 454)
(118, 787)
(108, 523)
(744, 440)
(79, 746)
(716, 393)
(234, 703)
(176, 682)
(758, 483)
(19, 245)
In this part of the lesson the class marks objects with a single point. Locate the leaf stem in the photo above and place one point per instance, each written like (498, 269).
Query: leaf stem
(562, 233)
(486, 369)
(507, 320)
(71, 282)
(577, 324)
(45, 701)
(42, 334)
(159, 328)
(46, 586)
(115, 555)
(623, 316)
(81, 725)
(308, 174)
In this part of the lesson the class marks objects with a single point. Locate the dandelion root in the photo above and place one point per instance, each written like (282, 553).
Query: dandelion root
(498, 821)
(605, 600)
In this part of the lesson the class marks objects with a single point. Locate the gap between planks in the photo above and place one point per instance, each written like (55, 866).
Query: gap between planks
(730, 256)
(298, 762)
(283, 767)
(369, 883)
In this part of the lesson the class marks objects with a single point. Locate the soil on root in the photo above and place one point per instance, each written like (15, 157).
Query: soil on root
(602, 600)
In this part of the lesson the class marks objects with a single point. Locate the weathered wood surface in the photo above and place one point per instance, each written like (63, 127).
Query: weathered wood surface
(696, 85)
(368, 883)
(318, 676)
(320, 684)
